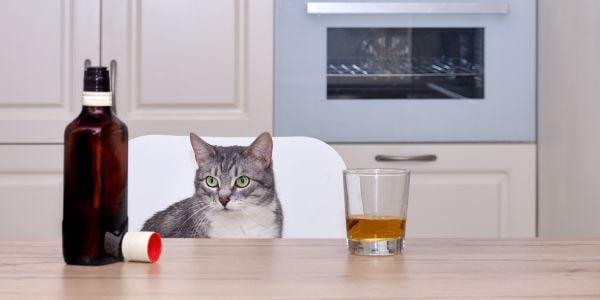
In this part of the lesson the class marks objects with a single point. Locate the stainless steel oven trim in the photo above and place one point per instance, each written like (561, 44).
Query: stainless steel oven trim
(405, 8)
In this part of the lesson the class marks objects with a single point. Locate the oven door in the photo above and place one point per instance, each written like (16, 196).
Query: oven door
(452, 71)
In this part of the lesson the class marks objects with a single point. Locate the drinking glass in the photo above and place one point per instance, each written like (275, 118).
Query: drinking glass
(376, 202)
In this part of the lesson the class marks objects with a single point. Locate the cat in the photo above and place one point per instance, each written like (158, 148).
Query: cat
(235, 195)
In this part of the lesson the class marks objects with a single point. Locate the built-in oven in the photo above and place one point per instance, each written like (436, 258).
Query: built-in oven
(406, 71)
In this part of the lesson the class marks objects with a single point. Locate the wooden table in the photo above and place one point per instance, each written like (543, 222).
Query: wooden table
(303, 269)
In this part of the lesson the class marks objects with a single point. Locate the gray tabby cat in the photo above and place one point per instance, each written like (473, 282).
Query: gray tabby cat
(235, 195)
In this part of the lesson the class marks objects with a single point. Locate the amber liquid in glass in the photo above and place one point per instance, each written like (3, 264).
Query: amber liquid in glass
(375, 228)
(95, 185)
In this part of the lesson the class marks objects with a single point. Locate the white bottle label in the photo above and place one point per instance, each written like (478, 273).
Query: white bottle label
(97, 98)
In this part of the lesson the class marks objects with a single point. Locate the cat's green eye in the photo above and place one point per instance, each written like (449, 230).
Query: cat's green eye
(211, 181)
(242, 181)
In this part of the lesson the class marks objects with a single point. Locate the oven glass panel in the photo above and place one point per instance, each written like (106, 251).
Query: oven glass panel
(405, 63)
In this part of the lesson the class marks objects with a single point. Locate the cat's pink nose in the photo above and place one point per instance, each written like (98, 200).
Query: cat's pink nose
(224, 201)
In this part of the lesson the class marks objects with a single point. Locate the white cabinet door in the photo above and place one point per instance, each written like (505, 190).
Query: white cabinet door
(43, 47)
(469, 191)
(191, 65)
(31, 191)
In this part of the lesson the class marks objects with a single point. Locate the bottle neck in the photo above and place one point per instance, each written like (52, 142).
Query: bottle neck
(97, 110)
(97, 99)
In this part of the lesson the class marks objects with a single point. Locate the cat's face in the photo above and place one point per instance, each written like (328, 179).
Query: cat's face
(233, 178)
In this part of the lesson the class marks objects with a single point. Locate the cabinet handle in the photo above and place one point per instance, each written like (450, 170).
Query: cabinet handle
(113, 84)
(426, 157)
(406, 8)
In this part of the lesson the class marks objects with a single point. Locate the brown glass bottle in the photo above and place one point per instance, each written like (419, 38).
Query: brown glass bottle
(95, 176)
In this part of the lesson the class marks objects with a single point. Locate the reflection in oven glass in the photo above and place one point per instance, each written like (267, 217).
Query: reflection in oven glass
(405, 63)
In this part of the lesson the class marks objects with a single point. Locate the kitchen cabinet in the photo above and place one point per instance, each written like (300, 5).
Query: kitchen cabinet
(183, 65)
(44, 45)
(203, 66)
(187, 65)
(470, 190)
(31, 191)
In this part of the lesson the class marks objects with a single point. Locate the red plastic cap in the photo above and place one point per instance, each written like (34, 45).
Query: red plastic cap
(154, 247)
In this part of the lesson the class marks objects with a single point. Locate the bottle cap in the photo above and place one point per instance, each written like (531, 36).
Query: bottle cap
(96, 79)
(142, 246)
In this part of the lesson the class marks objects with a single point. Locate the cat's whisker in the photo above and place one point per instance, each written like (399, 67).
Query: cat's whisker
(182, 225)
(200, 223)
(203, 221)
(201, 209)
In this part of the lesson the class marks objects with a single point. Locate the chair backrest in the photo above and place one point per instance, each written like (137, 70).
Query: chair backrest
(308, 178)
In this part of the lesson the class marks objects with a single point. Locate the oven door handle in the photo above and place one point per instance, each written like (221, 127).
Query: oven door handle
(406, 8)
(426, 157)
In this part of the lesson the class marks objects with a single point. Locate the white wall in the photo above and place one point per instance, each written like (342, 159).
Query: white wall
(569, 122)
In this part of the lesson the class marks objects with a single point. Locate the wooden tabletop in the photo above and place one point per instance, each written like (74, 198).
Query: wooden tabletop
(303, 269)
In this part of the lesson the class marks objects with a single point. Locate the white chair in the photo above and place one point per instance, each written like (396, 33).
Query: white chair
(308, 178)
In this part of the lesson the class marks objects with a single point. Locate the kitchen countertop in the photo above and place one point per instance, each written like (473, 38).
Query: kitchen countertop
(312, 268)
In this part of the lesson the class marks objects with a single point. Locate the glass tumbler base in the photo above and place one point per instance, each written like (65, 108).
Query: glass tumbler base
(381, 247)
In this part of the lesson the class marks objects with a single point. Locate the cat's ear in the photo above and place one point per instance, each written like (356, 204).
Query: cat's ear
(202, 150)
(261, 150)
